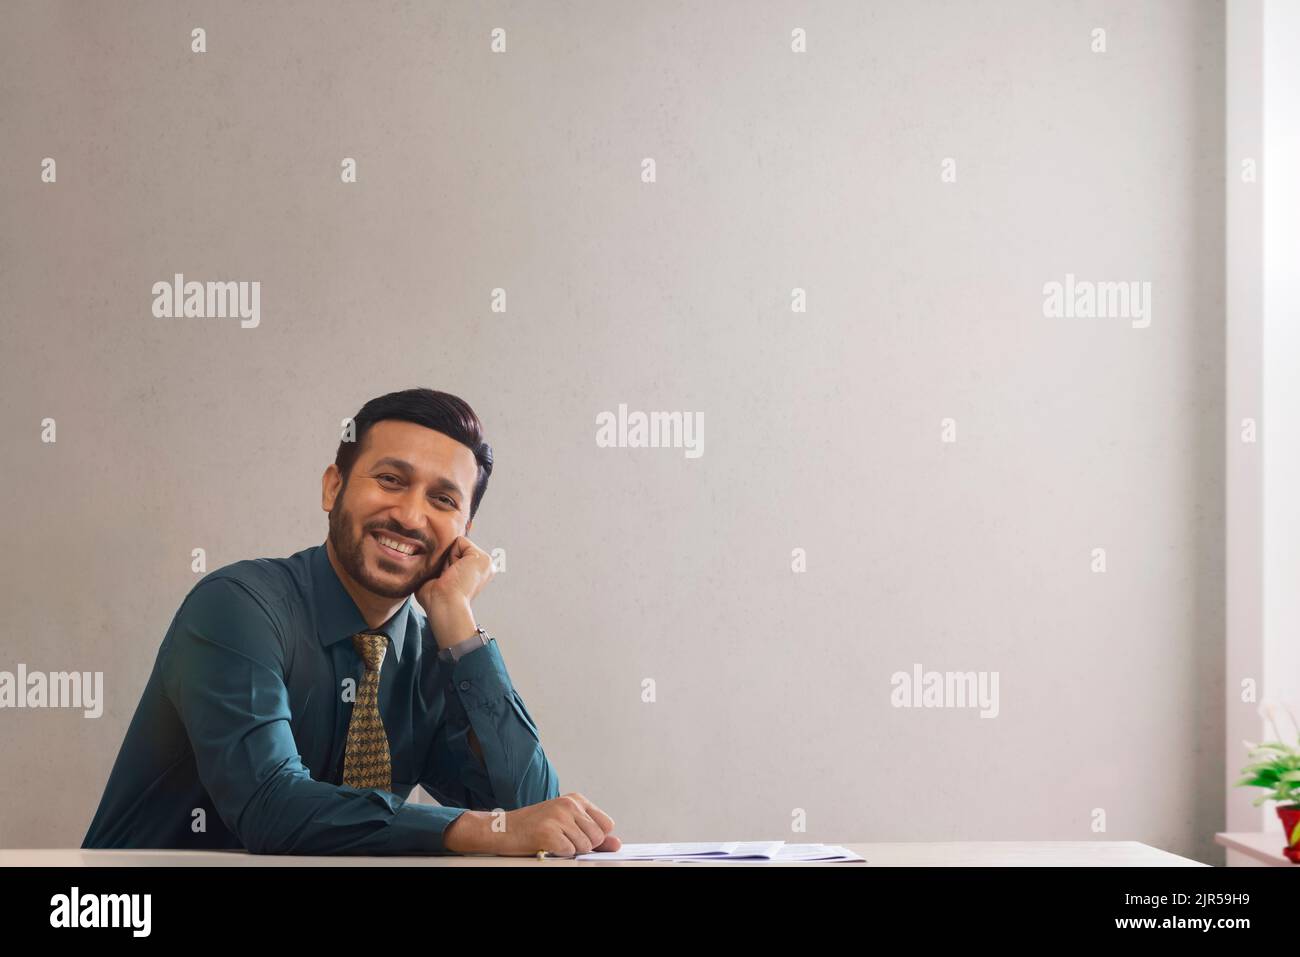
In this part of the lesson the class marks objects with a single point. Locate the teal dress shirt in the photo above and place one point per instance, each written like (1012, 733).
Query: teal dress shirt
(238, 739)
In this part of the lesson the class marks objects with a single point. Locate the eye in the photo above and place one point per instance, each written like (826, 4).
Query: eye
(450, 501)
(388, 475)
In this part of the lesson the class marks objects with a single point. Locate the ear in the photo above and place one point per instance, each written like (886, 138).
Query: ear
(468, 526)
(330, 483)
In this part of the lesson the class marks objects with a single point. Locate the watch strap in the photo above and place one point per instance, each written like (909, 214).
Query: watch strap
(453, 653)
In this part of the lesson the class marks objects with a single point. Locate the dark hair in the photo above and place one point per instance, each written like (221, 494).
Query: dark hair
(440, 411)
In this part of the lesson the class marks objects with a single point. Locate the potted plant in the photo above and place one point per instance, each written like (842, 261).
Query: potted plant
(1277, 767)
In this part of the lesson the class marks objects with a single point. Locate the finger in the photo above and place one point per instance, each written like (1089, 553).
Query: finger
(581, 842)
(611, 843)
(559, 846)
(589, 828)
(600, 817)
(476, 555)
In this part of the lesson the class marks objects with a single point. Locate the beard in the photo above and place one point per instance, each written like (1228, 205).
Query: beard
(349, 548)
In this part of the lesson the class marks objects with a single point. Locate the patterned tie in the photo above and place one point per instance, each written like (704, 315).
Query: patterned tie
(366, 762)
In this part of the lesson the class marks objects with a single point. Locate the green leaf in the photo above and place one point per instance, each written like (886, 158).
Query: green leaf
(1262, 770)
(1254, 783)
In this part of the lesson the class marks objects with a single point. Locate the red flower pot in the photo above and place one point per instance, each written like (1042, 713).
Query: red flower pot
(1290, 815)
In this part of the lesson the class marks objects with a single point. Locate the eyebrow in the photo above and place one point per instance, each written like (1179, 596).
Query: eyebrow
(441, 483)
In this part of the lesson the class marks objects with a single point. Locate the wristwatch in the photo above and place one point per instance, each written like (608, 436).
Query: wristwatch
(453, 653)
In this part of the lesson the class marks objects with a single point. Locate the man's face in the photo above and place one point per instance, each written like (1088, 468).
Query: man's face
(409, 485)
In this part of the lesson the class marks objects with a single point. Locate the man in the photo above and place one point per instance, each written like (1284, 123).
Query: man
(296, 702)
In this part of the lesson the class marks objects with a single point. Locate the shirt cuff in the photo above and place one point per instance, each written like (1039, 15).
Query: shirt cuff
(419, 829)
(483, 670)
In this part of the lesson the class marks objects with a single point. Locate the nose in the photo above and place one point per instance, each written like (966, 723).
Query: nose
(408, 512)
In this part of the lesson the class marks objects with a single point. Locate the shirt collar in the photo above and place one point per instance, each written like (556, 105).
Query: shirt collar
(337, 615)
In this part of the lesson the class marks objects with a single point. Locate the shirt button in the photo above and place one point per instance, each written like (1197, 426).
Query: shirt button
(464, 686)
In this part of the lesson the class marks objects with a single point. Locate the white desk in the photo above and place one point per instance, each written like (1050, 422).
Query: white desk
(1247, 849)
(956, 854)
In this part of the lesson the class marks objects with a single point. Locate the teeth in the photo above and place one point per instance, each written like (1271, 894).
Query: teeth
(399, 546)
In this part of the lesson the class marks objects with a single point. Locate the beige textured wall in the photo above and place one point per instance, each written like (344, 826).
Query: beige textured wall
(775, 170)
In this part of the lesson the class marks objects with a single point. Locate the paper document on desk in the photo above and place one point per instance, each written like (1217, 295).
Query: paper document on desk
(817, 852)
(734, 850)
(728, 851)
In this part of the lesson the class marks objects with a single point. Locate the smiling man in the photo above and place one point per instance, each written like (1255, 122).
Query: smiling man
(296, 702)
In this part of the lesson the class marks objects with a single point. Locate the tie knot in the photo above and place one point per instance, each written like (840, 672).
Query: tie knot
(371, 648)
